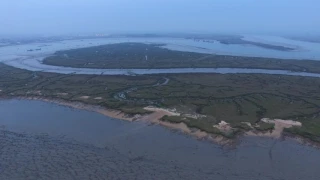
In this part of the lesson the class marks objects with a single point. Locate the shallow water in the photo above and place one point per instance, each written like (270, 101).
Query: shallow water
(18, 56)
(82, 144)
(304, 50)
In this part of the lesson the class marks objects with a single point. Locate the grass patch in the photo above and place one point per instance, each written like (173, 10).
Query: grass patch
(193, 123)
(134, 110)
(308, 130)
(241, 126)
(265, 126)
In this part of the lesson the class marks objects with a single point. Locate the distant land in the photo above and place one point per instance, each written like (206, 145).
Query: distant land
(224, 39)
(312, 38)
(153, 56)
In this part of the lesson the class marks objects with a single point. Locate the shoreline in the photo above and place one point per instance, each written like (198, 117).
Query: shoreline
(31, 63)
(157, 113)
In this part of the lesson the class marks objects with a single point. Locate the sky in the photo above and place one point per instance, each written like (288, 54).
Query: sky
(159, 16)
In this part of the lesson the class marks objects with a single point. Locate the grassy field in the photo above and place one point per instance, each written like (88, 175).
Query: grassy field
(234, 98)
(149, 56)
(100, 89)
(239, 98)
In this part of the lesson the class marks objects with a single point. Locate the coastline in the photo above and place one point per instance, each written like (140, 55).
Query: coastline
(31, 63)
(157, 113)
(83, 106)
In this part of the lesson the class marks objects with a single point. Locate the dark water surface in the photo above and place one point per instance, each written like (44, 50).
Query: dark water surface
(41, 140)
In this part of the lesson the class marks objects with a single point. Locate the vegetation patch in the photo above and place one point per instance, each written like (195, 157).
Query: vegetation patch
(309, 130)
(262, 126)
(204, 125)
(152, 56)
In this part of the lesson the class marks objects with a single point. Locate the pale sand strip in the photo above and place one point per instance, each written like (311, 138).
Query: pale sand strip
(279, 125)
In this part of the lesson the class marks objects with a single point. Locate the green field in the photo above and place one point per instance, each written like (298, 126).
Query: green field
(149, 56)
(233, 98)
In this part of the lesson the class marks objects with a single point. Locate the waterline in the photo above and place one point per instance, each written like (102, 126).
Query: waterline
(35, 64)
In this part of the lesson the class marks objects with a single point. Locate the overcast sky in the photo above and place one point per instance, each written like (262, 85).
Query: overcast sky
(112, 16)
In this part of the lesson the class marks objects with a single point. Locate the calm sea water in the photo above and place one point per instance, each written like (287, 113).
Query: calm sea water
(139, 150)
